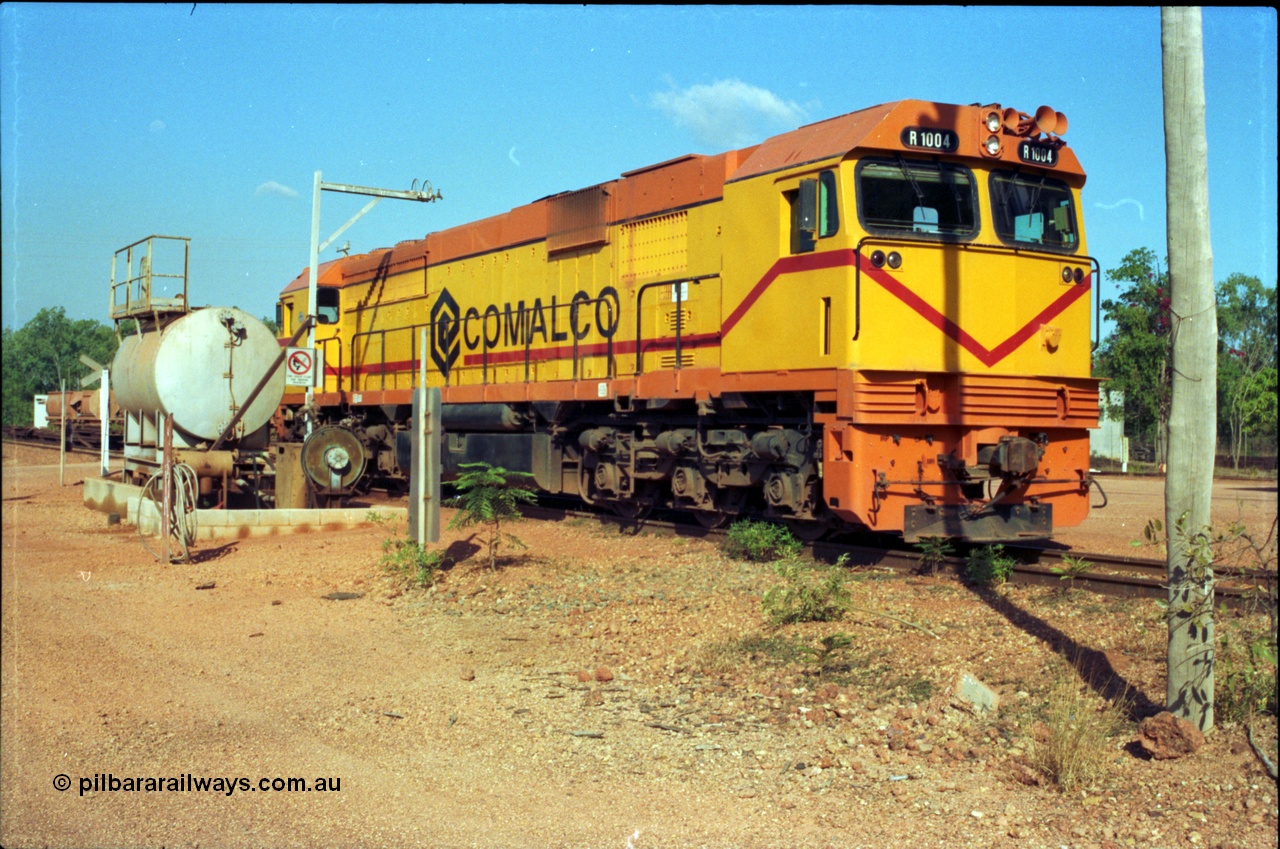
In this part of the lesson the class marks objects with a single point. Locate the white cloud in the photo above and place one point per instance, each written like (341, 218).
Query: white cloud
(156, 126)
(271, 187)
(1122, 202)
(729, 113)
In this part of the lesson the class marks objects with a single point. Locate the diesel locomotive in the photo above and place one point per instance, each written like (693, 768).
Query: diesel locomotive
(878, 321)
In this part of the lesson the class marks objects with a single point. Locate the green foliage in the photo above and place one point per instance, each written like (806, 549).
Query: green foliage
(933, 552)
(409, 560)
(486, 497)
(819, 594)
(1246, 361)
(1135, 355)
(1245, 673)
(1071, 568)
(759, 542)
(828, 646)
(988, 566)
(44, 352)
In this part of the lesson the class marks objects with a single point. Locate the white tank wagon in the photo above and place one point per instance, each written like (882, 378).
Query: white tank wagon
(200, 370)
(204, 371)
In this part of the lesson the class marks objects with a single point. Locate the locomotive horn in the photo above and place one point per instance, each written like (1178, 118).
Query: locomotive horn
(1061, 129)
(1046, 120)
(1011, 119)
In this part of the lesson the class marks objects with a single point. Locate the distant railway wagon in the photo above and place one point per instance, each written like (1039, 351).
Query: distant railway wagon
(881, 321)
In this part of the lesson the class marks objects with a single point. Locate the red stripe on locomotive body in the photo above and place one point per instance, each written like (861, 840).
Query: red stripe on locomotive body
(558, 352)
(843, 257)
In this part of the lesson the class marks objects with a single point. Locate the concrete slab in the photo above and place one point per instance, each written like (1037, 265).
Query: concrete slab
(111, 496)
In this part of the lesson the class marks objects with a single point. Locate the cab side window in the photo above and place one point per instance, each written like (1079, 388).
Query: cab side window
(327, 306)
(828, 208)
(815, 211)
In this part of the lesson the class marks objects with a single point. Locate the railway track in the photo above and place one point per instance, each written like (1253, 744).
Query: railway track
(44, 438)
(1124, 577)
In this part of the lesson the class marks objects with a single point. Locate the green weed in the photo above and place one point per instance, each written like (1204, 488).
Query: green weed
(759, 542)
(808, 594)
(988, 566)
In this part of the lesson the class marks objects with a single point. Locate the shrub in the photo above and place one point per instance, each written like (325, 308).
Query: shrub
(1077, 745)
(807, 594)
(409, 560)
(760, 542)
(487, 497)
(1245, 680)
(1071, 568)
(933, 552)
(988, 566)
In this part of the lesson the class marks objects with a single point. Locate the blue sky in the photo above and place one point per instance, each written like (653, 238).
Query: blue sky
(120, 121)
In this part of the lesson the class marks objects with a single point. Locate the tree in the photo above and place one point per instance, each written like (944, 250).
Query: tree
(42, 353)
(1135, 355)
(1193, 367)
(486, 497)
(1246, 360)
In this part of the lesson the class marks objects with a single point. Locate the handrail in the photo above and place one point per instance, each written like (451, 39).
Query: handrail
(677, 284)
(524, 323)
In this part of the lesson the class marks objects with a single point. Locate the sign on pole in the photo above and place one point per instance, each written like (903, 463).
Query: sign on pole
(302, 367)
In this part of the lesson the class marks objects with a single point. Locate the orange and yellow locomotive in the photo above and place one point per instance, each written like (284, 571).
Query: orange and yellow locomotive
(881, 320)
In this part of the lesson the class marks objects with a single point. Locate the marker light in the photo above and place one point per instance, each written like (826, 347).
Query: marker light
(1066, 274)
(1078, 276)
(877, 259)
(895, 260)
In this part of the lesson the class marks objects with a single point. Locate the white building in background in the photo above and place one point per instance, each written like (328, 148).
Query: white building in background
(1108, 441)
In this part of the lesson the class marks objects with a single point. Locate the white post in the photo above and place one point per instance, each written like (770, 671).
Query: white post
(62, 438)
(105, 414)
(315, 267)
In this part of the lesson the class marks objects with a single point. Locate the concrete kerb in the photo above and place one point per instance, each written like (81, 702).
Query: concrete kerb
(125, 500)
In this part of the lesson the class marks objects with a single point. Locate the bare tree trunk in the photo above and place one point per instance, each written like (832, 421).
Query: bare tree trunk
(1193, 363)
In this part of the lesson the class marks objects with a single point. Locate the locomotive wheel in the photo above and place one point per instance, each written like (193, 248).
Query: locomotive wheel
(711, 520)
(807, 531)
(633, 511)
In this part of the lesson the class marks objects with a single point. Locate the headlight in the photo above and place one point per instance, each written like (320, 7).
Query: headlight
(992, 145)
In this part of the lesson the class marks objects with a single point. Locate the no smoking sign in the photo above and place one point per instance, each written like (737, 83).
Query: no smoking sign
(301, 366)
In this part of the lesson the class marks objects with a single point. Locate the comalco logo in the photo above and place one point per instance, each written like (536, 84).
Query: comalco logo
(519, 324)
(445, 321)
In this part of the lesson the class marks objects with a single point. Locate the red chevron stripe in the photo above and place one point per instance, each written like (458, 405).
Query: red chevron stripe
(835, 259)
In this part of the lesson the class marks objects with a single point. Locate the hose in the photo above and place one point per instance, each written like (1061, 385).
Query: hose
(183, 489)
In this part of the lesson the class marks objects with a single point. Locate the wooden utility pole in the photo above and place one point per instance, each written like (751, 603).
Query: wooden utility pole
(1193, 420)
